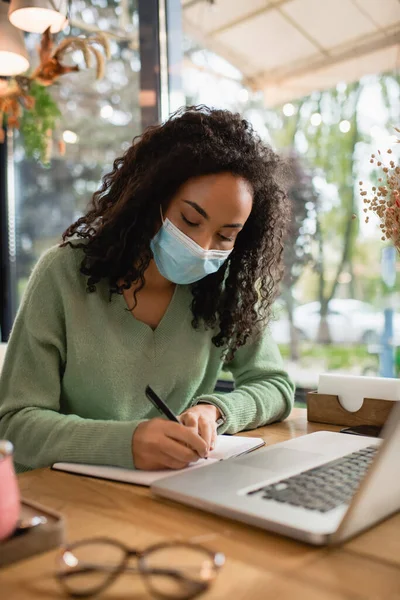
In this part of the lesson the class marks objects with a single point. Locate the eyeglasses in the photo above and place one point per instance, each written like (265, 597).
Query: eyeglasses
(170, 570)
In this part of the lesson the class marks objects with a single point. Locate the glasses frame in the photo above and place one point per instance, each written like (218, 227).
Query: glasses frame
(141, 568)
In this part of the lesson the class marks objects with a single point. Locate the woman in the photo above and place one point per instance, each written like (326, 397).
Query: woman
(168, 277)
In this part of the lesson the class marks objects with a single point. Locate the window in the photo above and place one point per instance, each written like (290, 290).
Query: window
(329, 134)
(99, 120)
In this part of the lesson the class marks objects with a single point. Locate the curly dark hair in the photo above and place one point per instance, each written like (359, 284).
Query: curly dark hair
(124, 213)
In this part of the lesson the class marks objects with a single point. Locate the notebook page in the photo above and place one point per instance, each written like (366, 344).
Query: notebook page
(226, 447)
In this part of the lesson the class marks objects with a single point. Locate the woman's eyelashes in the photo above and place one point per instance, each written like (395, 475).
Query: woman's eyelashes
(223, 238)
(190, 223)
(226, 239)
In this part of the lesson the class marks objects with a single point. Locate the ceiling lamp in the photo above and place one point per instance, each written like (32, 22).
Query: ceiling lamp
(13, 54)
(37, 15)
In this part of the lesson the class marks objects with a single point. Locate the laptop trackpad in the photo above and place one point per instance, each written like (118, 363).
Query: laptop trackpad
(278, 459)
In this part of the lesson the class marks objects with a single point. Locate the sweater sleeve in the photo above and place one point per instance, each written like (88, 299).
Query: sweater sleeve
(30, 386)
(263, 393)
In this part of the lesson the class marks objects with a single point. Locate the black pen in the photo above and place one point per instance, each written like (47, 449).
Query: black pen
(162, 407)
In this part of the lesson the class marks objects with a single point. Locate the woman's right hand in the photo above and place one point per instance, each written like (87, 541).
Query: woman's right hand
(159, 444)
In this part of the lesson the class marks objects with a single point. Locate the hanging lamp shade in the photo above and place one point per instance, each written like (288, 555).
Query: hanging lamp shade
(13, 54)
(37, 15)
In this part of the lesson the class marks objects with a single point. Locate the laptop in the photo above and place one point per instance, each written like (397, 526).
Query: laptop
(321, 488)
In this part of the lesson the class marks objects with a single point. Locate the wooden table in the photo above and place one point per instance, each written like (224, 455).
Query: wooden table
(259, 565)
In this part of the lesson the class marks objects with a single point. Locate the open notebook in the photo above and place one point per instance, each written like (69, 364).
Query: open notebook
(226, 447)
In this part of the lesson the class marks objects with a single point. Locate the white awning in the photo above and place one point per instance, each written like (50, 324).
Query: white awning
(290, 48)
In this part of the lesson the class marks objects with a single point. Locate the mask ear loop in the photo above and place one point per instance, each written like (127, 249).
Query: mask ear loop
(161, 215)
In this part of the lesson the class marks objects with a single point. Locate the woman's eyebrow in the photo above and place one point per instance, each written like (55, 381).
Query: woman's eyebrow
(200, 210)
(203, 213)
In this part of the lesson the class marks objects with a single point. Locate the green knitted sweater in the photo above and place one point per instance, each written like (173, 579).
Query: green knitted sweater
(77, 364)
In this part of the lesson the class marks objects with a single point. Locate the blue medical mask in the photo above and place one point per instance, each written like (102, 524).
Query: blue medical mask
(179, 259)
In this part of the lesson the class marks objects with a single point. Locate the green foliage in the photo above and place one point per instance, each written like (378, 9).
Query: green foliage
(37, 121)
(333, 155)
(334, 356)
(304, 199)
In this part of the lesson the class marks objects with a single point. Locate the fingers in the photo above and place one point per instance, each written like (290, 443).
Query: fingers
(213, 437)
(187, 436)
(206, 430)
(158, 444)
(178, 452)
(190, 419)
(172, 463)
(201, 425)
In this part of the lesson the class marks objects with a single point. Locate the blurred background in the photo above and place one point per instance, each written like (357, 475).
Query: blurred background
(318, 80)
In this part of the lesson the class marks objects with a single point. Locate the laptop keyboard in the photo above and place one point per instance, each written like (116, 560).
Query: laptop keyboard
(322, 488)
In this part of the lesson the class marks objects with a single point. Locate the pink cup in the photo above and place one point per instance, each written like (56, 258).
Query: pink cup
(9, 491)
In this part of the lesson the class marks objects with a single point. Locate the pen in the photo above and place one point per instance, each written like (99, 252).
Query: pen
(161, 406)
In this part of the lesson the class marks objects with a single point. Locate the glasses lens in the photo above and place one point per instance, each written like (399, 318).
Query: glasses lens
(86, 567)
(178, 571)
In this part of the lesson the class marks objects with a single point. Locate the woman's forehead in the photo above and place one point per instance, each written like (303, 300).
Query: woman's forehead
(217, 194)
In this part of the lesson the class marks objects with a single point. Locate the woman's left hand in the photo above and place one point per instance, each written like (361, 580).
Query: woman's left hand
(202, 419)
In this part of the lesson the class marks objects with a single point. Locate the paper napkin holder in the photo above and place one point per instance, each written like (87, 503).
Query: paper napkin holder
(326, 408)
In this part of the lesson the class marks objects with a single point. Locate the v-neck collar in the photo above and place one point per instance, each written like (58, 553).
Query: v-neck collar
(155, 342)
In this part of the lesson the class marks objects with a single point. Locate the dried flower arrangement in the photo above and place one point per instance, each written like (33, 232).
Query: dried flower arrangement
(25, 102)
(385, 198)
